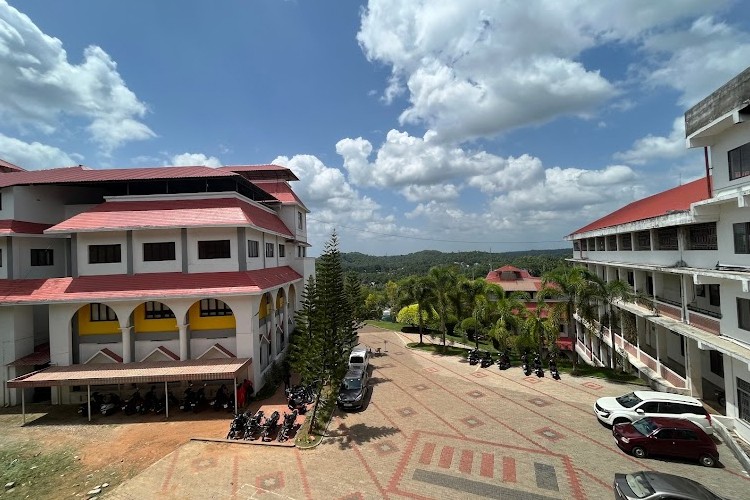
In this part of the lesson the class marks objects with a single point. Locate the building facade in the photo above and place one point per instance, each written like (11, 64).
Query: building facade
(686, 253)
(147, 265)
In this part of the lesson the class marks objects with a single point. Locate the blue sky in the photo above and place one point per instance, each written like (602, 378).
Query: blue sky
(411, 124)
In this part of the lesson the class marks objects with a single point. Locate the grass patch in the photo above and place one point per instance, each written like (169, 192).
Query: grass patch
(34, 469)
(584, 370)
(438, 349)
(386, 325)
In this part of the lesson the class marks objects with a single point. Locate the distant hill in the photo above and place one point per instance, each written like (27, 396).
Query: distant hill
(380, 269)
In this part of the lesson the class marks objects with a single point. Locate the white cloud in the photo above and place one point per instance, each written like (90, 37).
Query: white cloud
(651, 147)
(480, 67)
(35, 155)
(441, 192)
(40, 87)
(193, 159)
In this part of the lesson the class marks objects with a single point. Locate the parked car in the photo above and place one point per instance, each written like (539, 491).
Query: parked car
(639, 404)
(353, 389)
(359, 358)
(675, 437)
(649, 485)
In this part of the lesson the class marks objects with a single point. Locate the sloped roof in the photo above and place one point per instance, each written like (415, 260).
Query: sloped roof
(10, 226)
(164, 352)
(675, 199)
(260, 172)
(281, 191)
(149, 286)
(6, 166)
(106, 352)
(40, 356)
(80, 174)
(514, 279)
(159, 214)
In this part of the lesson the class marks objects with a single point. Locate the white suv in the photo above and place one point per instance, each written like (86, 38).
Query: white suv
(639, 404)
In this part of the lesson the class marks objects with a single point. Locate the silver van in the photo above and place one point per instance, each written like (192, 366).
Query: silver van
(359, 358)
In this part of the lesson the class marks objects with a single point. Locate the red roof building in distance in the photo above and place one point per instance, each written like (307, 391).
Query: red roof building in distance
(513, 279)
(677, 199)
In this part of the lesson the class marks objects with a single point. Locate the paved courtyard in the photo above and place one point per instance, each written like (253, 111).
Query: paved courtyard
(434, 427)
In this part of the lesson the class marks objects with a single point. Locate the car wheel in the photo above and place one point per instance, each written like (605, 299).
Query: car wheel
(639, 452)
(707, 461)
(620, 421)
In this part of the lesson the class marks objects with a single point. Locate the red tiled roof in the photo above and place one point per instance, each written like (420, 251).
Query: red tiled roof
(83, 174)
(258, 172)
(522, 281)
(164, 351)
(118, 215)
(678, 199)
(150, 286)
(280, 190)
(108, 353)
(10, 226)
(40, 356)
(6, 166)
(218, 347)
(133, 373)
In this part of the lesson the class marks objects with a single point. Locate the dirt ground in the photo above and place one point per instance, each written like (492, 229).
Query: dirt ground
(56, 440)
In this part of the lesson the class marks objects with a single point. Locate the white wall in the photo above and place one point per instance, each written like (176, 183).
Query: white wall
(729, 292)
(46, 204)
(103, 238)
(156, 236)
(195, 265)
(730, 215)
(254, 263)
(734, 137)
(86, 350)
(22, 268)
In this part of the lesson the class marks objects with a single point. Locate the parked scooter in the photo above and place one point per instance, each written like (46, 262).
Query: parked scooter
(290, 420)
(110, 404)
(538, 370)
(487, 360)
(199, 401)
(160, 404)
(149, 401)
(269, 426)
(237, 427)
(96, 403)
(503, 361)
(187, 398)
(525, 363)
(221, 400)
(132, 405)
(553, 367)
(474, 356)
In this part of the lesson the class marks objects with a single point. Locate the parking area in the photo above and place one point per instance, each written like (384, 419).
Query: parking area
(435, 427)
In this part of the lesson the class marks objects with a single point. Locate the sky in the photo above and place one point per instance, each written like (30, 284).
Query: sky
(434, 124)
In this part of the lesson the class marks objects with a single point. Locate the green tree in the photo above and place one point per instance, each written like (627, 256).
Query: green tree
(608, 293)
(356, 297)
(572, 285)
(443, 280)
(327, 323)
(391, 294)
(409, 315)
(508, 315)
(417, 290)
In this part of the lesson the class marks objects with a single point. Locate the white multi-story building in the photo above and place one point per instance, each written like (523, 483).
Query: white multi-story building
(147, 265)
(687, 251)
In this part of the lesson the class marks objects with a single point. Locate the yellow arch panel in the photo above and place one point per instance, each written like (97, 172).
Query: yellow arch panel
(198, 322)
(88, 327)
(143, 325)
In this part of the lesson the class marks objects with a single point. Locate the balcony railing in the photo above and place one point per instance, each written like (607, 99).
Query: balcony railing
(700, 310)
(669, 301)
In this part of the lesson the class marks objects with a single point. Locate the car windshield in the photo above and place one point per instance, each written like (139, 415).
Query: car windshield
(350, 384)
(629, 400)
(357, 360)
(645, 426)
(639, 484)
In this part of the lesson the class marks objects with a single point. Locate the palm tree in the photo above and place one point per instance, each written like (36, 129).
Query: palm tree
(417, 290)
(539, 325)
(571, 283)
(609, 292)
(443, 280)
(508, 313)
(469, 293)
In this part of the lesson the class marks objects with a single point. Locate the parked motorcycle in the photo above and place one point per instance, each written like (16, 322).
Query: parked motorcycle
(721, 397)
(221, 399)
(269, 426)
(487, 360)
(160, 403)
(110, 404)
(525, 363)
(503, 361)
(188, 396)
(96, 403)
(474, 356)
(132, 405)
(538, 370)
(253, 425)
(149, 401)
(290, 420)
(299, 396)
(238, 426)
(199, 401)
(553, 367)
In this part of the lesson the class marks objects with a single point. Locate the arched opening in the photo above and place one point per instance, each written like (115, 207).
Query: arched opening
(291, 306)
(156, 332)
(265, 322)
(281, 318)
(211, 321)
(95, 327)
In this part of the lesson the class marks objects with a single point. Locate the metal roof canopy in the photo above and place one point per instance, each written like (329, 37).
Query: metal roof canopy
(132, 373)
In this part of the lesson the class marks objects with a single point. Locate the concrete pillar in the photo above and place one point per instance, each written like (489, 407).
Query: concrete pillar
(693, 368)
(127, 344)
(184, 342)
(272, 328)
(661, 347)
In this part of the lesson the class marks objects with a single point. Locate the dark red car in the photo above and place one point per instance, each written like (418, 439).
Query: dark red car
(674, 437)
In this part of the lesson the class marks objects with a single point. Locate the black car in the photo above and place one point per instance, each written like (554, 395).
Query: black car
(353, 389)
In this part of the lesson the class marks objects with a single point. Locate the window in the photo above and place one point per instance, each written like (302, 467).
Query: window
(739, 162)
(1, 201)
(576, 245)
(650, 286)
(626, 242)
(666, 238)
(631, 278)
(666, 434)
(214, 307)
(700, 290)
(670, 407)
(104, 254)
(157, 310)
(743, 399)
(252, 248)
(299, 220)
(600, 244)
(643, 240)
(685, 434)
(702, 236)
(41, 257)
(269, 249)
(301, 251)
(102, 312)
(716, 361)
(214, 249)
(650, 407)
(743, 314)
(282, 250)
(158, 251)
(1, 257)
(741, 237)
(714, 297)
(612, 242)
